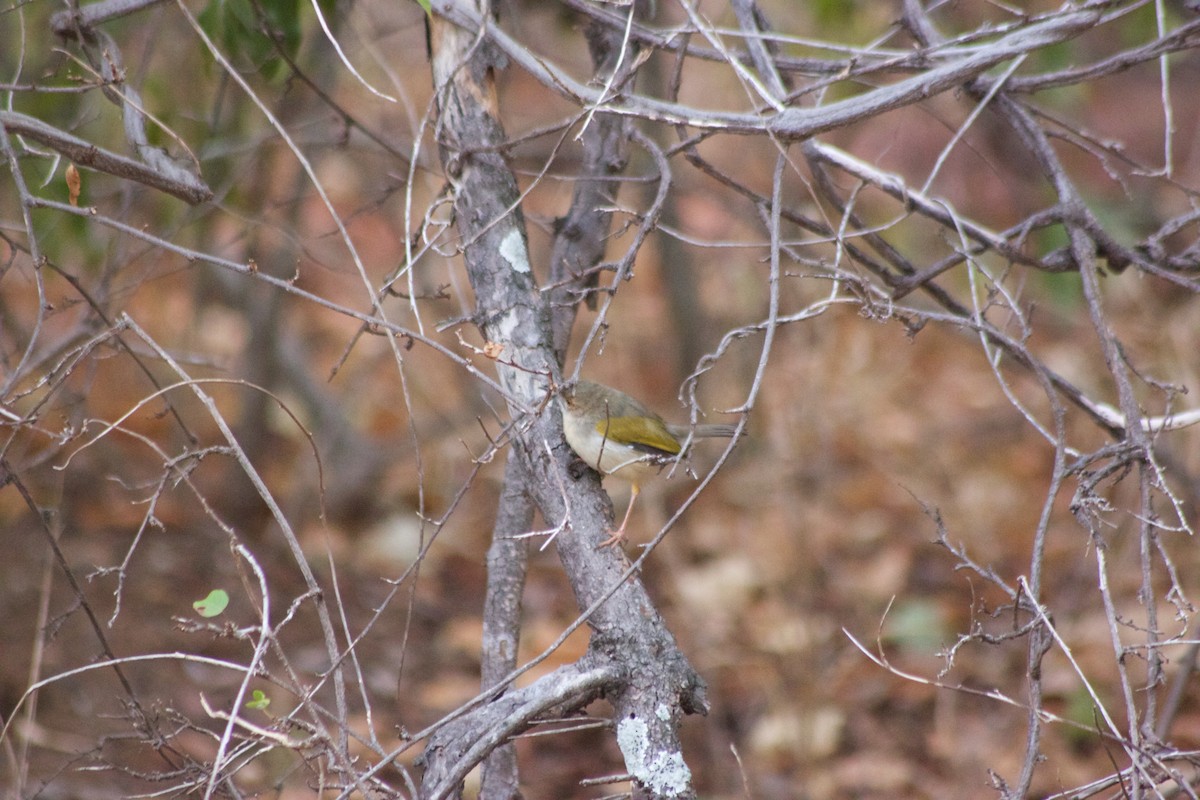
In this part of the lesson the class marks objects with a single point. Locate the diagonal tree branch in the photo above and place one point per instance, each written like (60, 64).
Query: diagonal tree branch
(164, 175)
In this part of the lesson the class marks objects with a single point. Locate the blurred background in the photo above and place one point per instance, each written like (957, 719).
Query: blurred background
(876, 420)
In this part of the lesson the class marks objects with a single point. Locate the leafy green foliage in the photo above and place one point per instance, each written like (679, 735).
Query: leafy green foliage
(256, 34)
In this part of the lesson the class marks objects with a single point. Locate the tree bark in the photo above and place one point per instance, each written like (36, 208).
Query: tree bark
(633, 660)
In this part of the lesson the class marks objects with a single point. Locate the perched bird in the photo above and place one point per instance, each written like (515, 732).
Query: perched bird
(616, 435)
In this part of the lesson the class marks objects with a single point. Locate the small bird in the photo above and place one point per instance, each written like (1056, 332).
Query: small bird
(616, 435)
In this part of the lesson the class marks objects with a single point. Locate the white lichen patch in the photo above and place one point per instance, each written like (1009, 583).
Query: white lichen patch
(512, 250)
(664, 774)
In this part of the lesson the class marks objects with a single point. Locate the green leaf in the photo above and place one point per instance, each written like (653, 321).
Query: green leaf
(260, 701)
(212, 605)
(917, 625)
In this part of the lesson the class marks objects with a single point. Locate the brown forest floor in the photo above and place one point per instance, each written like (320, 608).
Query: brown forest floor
(819, 529)
(814, 533)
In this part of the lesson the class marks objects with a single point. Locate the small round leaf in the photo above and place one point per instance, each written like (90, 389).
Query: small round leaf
(212, 605)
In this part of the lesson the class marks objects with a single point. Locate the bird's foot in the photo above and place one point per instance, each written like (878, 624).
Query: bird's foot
(614, 539)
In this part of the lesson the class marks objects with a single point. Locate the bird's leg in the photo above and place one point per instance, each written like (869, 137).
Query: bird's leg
(618, 535)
